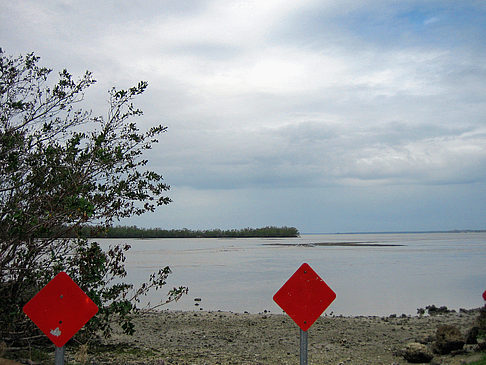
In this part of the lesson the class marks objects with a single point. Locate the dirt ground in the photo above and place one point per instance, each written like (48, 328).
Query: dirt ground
(172, 337)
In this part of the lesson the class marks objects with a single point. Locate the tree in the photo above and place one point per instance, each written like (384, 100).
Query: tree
(62, 168)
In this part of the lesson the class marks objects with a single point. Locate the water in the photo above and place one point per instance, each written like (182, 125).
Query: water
(243, 274)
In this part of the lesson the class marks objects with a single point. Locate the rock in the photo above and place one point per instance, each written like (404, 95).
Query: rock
(416, 353)
(472, 336)
(481, 346)
(448, 339)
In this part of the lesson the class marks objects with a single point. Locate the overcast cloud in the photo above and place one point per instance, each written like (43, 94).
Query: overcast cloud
(324, 115)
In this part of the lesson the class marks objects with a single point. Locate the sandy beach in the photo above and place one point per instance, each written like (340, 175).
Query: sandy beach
(198, 337)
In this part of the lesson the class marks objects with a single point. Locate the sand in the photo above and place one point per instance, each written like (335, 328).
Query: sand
(175, 337)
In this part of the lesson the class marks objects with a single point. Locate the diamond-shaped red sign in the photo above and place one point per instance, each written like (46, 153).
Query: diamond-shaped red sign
(60, 309)
(304, 297)
(484, 295)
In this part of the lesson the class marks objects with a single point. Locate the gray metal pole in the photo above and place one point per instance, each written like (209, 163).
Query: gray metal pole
(303, 347)
(59, 355)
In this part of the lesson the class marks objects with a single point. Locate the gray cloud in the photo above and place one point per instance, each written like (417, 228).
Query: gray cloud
(284, 111)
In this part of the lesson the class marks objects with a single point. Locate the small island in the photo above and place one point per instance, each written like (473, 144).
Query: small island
(136, 232)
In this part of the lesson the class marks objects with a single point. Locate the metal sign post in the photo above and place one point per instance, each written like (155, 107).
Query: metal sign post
(60, 355)
(304, 297)
(303, 347)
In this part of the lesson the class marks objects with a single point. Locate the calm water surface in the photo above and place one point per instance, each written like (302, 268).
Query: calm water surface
(243, 274)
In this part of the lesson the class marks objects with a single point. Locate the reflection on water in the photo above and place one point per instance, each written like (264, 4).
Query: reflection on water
(372, 274)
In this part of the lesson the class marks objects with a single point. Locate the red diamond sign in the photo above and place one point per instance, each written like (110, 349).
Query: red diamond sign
(484, 295)
(304, 297)
(60, 309)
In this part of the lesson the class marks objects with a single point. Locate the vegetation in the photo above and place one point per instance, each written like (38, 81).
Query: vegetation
(479, 362)
(135, 232)
(62, 168)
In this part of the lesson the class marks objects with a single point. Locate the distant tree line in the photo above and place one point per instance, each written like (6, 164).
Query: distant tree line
(136, 232)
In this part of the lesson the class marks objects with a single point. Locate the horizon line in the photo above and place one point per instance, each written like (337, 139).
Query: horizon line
(404, 232)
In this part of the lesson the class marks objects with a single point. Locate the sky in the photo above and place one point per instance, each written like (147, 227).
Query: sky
(328, 116)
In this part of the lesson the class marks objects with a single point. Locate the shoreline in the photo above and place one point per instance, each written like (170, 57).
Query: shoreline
(199, 337)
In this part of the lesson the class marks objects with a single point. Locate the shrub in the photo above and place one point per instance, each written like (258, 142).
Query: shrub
(63, 168)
